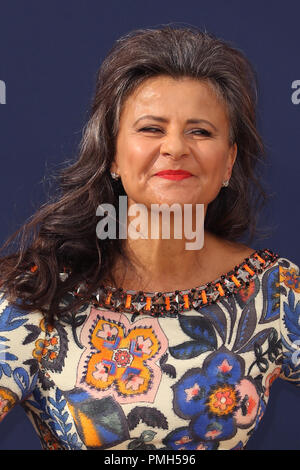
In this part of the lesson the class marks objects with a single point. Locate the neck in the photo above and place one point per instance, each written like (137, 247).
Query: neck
(166, 265)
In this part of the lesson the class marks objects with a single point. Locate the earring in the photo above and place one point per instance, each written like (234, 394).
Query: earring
(225, 183)
(115, 176)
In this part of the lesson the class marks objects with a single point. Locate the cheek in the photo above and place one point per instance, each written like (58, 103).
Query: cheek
(134, 159)
(213, 163)
(134, 171)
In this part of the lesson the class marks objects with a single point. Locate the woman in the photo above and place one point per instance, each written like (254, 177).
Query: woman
(140, 343)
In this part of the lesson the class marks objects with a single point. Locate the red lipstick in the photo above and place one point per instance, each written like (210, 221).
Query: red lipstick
(174, 174)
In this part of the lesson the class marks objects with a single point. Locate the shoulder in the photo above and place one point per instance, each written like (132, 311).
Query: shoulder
(13, 316)
(288, 278)
(21, 332)
(22, 336)
(289, 293)
(288, 266)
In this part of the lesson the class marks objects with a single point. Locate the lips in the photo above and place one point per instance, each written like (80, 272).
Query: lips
(175, 175)
(173, 172)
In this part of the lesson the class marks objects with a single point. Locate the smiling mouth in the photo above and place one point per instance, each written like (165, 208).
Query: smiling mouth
(174, 174)
(168, 176)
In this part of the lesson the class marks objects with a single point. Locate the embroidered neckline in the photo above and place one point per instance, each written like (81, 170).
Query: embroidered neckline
(170, 304)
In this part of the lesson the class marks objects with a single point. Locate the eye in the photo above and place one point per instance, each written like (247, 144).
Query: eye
(149, 129)
(203, 132)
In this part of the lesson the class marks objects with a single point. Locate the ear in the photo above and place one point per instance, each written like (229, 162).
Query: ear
(230, 161)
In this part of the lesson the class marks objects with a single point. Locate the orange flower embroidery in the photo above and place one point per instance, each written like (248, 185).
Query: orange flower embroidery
(46, 348)
(121, 357)
(290, 278)
(223, 400)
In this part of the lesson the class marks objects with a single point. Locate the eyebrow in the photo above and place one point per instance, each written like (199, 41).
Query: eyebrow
(161, 119)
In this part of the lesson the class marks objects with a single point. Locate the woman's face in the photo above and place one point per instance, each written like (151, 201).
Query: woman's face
(167, 140)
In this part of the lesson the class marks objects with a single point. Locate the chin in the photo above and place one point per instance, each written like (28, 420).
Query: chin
(178, 197)
(181, 202)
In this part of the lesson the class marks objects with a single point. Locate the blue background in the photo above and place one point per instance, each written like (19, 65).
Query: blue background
(50, 52)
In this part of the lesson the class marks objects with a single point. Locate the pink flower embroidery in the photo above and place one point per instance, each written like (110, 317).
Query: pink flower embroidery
(100, 373)
(212, 434)
(246, 414)
(144, 345)
(225, 367)
(192, 392)
(134, 383)
(3, 404)
(107, 332)
(270, 379)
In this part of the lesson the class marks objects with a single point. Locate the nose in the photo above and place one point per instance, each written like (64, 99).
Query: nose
(174, 145)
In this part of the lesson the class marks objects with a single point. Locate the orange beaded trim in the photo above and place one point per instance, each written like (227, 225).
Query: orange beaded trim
(173, 303)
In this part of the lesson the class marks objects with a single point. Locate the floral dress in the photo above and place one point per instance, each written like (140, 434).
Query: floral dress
(190, 370)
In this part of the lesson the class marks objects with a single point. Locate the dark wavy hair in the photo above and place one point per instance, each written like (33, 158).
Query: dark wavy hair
(63, 231)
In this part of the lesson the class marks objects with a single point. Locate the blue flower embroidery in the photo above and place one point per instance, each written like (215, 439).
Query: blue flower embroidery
(216, 398)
